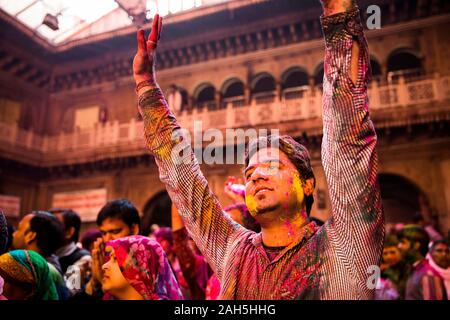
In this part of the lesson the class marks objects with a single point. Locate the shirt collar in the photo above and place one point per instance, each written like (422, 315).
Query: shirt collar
(306, 232)
(66, 250)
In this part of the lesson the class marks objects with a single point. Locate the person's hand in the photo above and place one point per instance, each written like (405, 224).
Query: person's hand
(98, 254)
(235, 190)
(331, 7)
(144, 60)
(85, 266)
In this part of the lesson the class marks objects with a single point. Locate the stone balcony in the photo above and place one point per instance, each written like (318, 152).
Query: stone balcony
(299, 105)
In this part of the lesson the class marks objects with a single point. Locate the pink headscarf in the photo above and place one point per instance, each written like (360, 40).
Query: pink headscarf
(145, 265)
(2, 282)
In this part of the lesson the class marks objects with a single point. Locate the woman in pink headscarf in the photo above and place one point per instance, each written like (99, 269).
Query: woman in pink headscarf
(138, 269)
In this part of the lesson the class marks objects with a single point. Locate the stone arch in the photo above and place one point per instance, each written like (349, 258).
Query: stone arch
(318, 74)
(294, 77)
(204, 95)
(157, 210)
(404, 62)
(375, 66)
(263, 82)
(232, 87)
(401, 198)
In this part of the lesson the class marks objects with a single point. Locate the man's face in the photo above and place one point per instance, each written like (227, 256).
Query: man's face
(391, 255)
(272, 183)
(441, 255)
(67, 234)
(21, 235)
(112, 229)
(404, 245)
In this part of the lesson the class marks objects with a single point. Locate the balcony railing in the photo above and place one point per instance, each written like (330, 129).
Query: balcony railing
(304, 105)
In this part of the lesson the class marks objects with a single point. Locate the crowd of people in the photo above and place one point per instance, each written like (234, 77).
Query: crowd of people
(46, 259)
(264, 246)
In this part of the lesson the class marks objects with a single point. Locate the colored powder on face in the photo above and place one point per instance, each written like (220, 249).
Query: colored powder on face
(297, 188)
(251, 205)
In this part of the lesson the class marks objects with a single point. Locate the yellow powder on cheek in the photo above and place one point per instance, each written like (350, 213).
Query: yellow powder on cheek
(297, 188)
(251, 205)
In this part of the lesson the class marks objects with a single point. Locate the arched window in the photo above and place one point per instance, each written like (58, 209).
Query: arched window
(403, 63)
(157, 211)
(401, 198)
(233, 92)
(205, 97)
(318, 75)
(294, 83)
(184, 99)
(263, 88)
(376, 69)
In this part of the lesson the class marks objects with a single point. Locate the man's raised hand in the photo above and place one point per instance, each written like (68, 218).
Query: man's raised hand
(331, 7)
(144, 60)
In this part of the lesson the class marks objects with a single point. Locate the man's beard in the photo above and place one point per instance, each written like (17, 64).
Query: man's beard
(265, 210)
(410, 256)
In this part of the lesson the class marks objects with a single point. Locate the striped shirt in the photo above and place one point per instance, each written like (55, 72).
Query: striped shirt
(425, 283)
(332, 262)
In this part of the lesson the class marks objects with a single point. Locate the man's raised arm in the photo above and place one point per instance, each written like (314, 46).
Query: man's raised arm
(213, 232)
(349, 155)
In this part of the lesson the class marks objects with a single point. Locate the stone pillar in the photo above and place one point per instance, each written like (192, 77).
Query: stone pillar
(190, 103)
(218, 99)
(312, 85)
(279, 90)
(247, 94)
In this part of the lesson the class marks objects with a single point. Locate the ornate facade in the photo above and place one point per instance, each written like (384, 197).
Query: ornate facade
(240, 64)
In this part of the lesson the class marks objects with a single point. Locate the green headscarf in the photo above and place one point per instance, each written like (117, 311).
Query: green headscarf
(29, 267)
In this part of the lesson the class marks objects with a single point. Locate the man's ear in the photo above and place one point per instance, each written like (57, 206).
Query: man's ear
(308, 186)
(416, 245)
(29, 237)
(135, 229)
(69, 233)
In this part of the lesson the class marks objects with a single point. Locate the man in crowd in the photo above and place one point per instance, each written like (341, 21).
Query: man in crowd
(424, 283)
(42, 232)
(193, 266)
(75, 262)
(117, 219)
(394, 270)
(439, 258)
(165, 238)
(291, 258)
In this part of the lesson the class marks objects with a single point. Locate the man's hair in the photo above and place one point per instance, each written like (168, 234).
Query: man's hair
(435, 243)
(49, 232)
(391, 241)
(70, 219)
(296, 152)
(121, 209)
(415, 233)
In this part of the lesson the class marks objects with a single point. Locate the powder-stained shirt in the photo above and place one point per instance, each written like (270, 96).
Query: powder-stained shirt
(336, 261)
(425, 283)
